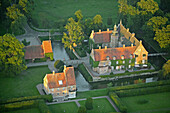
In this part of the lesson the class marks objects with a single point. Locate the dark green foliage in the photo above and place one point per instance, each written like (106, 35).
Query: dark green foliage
(25, 42)
(118, 102)
(58, 64)
(89, 103)
(80, 51)
(143, 101)
(40, 60)
(43, 107)
(143, 85)
(84, 72)
(109, 21)
(71, 54)
(12, 100)
(143, 91)
(93, 63)
(49, 55)
(82, 109)
(61, 69)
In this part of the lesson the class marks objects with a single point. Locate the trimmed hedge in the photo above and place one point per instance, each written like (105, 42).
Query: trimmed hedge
(143, 85)
(19, 105)
(84, 72)
(118, 102)
(43, 107)
(58, 64)
(80, 52)
(143, 91)
(71, 54)
(48, 98)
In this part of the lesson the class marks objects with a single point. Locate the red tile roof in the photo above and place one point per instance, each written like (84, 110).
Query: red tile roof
(53, 80)
(32, 52)
(102, 37)
(47, 46)
(101, 54)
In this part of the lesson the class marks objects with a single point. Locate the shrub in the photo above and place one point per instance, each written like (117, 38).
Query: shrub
(89, 103)
(71, 54)
(49, 55)
(40, 60)
(61, 69)
(58, 64)
(43, 107)
(82, 109)
(143, 91)
(118, 102)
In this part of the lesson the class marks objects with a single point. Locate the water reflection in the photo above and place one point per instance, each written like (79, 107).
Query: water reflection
(81, 83)
(59, 52)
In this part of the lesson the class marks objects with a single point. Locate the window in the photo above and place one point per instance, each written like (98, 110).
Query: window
(107, 57)
(52, 89)
(63, 93)
(123, 66)
(117, 62)
(117, 67)
(71, 87)
(103, 64)
(131, 56)
(58, 89)
(123, 62)
(143, 61)
(60, 82)
(122, 56)
(136, 56)
(144, 55)
(130, 61)
(63, 88)
(58, 93)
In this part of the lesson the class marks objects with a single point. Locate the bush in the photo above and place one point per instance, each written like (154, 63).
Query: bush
(82, 109)
(143, 91)
(118, 102)
(40, 60)
(71, 54)
(45, 97)
(58, 64)
(43, 107)
(84, 72)
(80, 52)
(89, 103)
(61, 69)
(142, 85)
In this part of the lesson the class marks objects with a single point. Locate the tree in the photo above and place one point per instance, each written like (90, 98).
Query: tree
(78, 15)
(23, 4)
(157, 22)
(11, 55)
(75, 34)
(97, 19)
(162, 36)
(82, 109)
(166, 69)
(89, 103)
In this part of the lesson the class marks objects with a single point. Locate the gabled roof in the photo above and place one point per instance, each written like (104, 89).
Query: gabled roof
(102, 54)
(102, 37)
(47, 46)
(32, 52)
(69, 79)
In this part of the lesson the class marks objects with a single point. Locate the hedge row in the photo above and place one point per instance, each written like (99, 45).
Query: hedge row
(45, 97)
(143, 91)
(43, 107)
(118, 102)
(135, 86)
(19, 105)
(70, 53)
(84, 72)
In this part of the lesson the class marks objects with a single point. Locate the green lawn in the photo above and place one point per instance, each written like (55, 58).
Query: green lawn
(70, 107)
(100, 106)
(23, 84)
(32, 110)
(158, 103)
(52, 11)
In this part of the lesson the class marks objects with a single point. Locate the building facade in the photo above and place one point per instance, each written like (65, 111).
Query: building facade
(122, 50)
(61, 85)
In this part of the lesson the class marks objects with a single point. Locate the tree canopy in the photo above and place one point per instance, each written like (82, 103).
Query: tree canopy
(78, 15)
(11, 55)
(82, 109)
(166, 69)
(97, 19)
(75, 34)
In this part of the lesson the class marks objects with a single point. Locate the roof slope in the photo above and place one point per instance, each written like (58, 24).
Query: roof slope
(102, 54)
(102, 37)
(32, 52)
(47, 46)
(70, 76)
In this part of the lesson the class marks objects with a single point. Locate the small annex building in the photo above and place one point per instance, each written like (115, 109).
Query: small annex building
(116, 50)
(39, 51)
(61, 85)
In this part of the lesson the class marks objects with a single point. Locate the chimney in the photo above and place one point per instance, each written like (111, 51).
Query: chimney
(99, 30)
(105, 47)
(127, 29)
(120, 21)
(140, 41)
(91, 36)
(123, 45)
(92, 31)
(107, 29)
(53, 72)
(99, 47)
(64, 68)
(133, 34)
(131, 45)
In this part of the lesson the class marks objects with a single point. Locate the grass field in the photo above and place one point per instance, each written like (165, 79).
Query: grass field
(23, 84)
(155, 103)
(100, 106)
(52, 11)
(32, 110)
(70, 107)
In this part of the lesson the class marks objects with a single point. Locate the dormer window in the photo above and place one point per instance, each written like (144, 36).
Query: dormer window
(60, 82)
(114, 57)
(131, 56)
(122, 57)
(107, 57)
